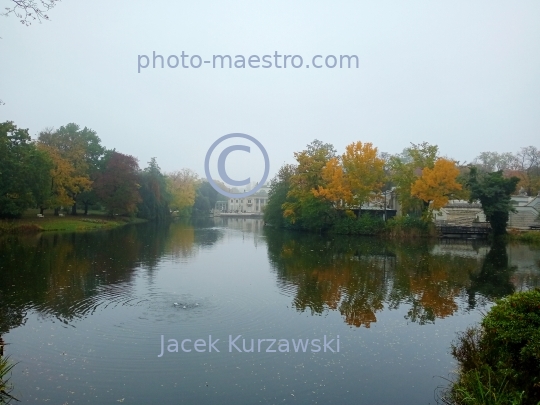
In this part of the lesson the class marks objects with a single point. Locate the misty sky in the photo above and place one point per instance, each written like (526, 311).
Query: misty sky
(463, 75)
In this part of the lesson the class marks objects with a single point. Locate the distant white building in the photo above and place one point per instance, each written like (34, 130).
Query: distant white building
(253, 204)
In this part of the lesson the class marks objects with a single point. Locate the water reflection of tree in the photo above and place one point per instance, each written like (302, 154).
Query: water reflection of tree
(494, 279)
(429, 283)
(359, 277)
(183, 240)
(69, 275)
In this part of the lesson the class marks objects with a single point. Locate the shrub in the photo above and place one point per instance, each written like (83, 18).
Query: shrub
(467, 352)
(409, 226)
(365, 224)
(529, 237)
(483, 387)
(500, 359)
(512, 340)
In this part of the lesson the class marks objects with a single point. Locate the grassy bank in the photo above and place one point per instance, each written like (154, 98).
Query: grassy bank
(398, 227)
(499, 360)
(30, 223)
(524, 236)
(5, 386)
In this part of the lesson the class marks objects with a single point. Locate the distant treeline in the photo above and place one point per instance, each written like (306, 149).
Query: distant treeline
(68, 169)
(324, 190)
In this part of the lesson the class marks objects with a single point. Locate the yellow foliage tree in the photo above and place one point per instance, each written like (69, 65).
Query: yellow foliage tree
(65, 182)
(352, 178)
(73, 151)
(436, 185)
(337, 189)
(365, 170)
(182, 185)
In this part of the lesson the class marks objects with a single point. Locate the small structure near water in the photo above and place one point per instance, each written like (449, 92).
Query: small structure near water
(460, 213)
(527, 215)
(465, 214)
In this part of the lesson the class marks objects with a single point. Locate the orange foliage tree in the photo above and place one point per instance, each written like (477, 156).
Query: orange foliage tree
(436, 185)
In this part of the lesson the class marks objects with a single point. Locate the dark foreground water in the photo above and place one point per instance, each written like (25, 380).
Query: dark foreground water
(84, 314)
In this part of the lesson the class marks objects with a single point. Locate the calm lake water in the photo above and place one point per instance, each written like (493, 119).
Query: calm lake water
(84, 313)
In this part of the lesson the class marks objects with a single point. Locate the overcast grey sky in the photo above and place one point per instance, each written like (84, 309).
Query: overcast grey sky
(463, 75)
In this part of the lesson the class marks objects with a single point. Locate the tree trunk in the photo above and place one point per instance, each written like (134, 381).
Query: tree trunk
(85, 208)
(41, 209)
(56, 212)
(74, 209)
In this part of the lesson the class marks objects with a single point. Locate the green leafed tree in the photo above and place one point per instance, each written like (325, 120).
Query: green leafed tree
(279, 188)
(206, 198)
(302, 208)
(154, 194)
(24, 171)
(493, 191)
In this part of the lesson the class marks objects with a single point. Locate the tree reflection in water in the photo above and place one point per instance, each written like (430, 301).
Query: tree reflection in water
(493, 280)
(360, 276)
(68, 276)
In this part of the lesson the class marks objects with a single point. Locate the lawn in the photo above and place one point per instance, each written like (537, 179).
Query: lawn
(30, 223)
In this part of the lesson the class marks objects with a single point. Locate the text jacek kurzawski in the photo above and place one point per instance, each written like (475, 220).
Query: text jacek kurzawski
(238, 344)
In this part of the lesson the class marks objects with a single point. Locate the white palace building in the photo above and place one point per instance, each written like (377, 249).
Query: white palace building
(254, 204)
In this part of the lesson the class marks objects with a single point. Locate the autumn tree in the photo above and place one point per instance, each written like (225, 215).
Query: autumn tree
(406, 168)
(117, 186)
(302, 206)
(62, 180)
(182, 186)
(364, 169)
(337, 189)
(435, 186)
(82, 149)
(352, 178)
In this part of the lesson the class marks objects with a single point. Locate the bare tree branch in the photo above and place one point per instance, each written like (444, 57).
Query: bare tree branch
(30, 10)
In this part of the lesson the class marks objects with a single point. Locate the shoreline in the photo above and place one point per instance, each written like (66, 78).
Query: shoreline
(430, 233)
(79, 223)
